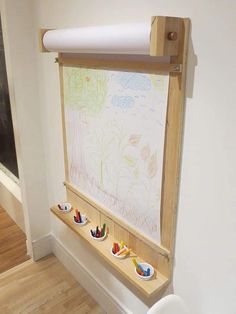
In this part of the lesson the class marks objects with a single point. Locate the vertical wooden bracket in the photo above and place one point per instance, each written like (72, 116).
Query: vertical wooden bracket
(173, 141)
(42, 31)
(165, 36)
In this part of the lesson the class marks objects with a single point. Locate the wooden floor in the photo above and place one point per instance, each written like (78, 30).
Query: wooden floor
(43, 287)
(12, 243)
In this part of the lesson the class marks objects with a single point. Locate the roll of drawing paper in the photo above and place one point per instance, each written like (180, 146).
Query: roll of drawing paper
(117, 39)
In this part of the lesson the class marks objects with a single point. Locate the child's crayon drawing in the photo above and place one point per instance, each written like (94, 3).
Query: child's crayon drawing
(115, 127)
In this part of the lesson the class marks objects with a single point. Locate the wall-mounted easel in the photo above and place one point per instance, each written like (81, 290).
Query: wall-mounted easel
(169, 38)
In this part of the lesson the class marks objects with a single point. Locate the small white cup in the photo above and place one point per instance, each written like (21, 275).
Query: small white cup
(145, 266)
(84, 221)
(99, 239)
(119, 256)
(65, 207)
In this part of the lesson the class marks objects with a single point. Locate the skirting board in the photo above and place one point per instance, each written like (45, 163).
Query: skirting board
(42, 247)
(95, 288)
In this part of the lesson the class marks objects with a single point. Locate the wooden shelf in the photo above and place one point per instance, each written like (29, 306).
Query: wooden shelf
(125, 266)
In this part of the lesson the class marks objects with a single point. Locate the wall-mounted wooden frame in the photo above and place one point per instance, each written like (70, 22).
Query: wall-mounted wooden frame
(169, 37)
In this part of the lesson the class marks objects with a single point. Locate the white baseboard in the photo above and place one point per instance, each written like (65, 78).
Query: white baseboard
(42, 246)
(84, 276)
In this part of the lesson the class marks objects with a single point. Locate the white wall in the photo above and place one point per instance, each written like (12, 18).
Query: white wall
(10, 198)
(205, 259)
(21, 44)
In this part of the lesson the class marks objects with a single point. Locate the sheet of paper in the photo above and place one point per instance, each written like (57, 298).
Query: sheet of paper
(115, 127)
(124, 38)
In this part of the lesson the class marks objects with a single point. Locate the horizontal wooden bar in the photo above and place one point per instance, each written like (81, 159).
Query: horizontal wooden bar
(121, 65)
(124, 267)
(163, 251)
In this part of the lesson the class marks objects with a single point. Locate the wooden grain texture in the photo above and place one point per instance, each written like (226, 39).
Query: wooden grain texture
(110, 225)
(92, 213)
(160, 45)
(121, 65)
(43, 287)
(63, 121)
(77, 197)
(158, 258)
(173, 143)
(12, 243)
(124, 267)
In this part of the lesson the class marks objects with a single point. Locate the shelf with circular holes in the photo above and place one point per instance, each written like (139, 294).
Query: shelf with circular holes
(122, 266)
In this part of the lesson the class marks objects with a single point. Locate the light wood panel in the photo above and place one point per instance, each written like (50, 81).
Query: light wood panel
(173, 142)
(124, 267)
(63, 121)
(92, 213)
(165, 36)
(43, 287)
(78, 198)
(12, 243)
(160, 258)
(109, 224)
(121, 65)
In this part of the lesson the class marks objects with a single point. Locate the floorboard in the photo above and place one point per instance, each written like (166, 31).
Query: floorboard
(12, 243)
(43, 287)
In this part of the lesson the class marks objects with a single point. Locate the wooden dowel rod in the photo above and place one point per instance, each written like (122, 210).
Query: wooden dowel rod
(122, 65)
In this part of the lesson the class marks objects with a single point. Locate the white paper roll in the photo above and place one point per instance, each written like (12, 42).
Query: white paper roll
(120, 39)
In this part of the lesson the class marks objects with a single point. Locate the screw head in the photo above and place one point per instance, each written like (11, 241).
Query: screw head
(172, 36)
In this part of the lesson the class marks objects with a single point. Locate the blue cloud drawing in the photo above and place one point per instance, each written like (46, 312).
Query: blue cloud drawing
(122, 101)
(134, 81)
